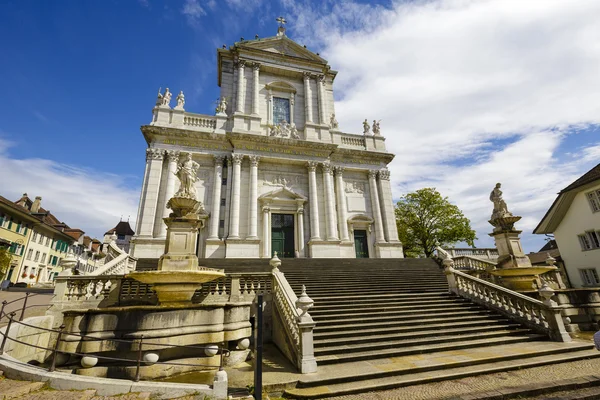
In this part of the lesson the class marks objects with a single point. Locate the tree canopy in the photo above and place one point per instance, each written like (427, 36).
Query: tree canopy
(425, 218)
(5, 258)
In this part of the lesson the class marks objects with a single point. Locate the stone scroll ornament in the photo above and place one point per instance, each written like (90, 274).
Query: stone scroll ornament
(187, 173)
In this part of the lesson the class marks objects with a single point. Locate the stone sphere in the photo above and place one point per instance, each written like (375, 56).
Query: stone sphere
(211, 350)
(88, 362)
(243, 344)
(150, 358)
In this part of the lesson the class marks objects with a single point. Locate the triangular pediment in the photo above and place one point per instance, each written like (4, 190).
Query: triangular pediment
(282, 194)
(284, 46)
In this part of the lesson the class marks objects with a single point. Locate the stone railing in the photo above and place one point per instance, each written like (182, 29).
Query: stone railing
(118, 262)
(472, 263)
(542, 316)
(292, 326)
(350, 140)
(234, 287)
(199, 121)
(479, 253)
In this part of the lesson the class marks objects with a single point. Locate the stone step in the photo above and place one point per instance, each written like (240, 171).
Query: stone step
(357, 285)
(426, 348)
(403, 326)
(401, 320)
(452, 329)
(345, 381)
(401, 315)
(380, 297)
(326, 306)
(385, 310)
(403, 343)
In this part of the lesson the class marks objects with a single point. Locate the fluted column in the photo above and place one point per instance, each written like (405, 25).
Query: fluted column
(341, 203)
(172, 160)
(330, 219)
(154, 157)
(301, 232)
(314, 200)
(253, 207)
(216, 198)
(239, 107)
(387, 206)
(255, 88)
(307, 98)
(379, 236)
(266, 232)
(234, 226)
(321, 96)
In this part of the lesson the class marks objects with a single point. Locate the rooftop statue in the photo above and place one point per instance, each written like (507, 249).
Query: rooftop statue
(366, 127)
(333, 124)
(376, 130)
(187, 172)
(222, 106)
(166, 98)
(180, 100)
(500, 208)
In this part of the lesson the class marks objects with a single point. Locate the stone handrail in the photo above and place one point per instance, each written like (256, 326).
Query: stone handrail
(297, 325)
(199, 121)
(542, 316)
(472, 263)
(485, 252)
(351, 140)
(120, 263)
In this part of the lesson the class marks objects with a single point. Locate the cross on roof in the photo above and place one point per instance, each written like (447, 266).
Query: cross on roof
(281, 21)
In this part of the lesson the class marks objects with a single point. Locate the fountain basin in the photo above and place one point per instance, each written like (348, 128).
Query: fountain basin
(522, 278)
(173, 287)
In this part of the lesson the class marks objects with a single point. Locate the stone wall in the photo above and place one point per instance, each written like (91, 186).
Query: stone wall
(32, 337)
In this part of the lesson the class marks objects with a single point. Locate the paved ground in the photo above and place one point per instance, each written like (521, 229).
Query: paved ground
(37, 303)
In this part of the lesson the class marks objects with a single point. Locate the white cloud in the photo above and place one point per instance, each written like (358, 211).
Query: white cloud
(193, 11)
(89, 200)
(454, 81)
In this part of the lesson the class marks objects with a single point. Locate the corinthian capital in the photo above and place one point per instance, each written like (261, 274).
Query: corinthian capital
(237, 158)
(307, 75)
(327, 168)
(373, 173)
(172, 155)
(219, 159)
(321, 78)
(154, 154)
(256, 66)
(339, 171)
(254, 160)
(312, 165)
(384, 174)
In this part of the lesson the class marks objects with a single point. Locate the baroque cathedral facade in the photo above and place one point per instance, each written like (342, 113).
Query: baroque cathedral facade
(275, 171)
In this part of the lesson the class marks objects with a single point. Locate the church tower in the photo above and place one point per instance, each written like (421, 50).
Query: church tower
(276, 173)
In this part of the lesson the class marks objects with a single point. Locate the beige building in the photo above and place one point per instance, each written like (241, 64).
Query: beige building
(574, 219)
(275, 171)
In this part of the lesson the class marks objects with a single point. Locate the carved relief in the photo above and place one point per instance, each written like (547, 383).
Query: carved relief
(355, 187)
(285, 181)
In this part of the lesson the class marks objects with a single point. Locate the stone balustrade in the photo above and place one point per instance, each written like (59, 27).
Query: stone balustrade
(472, 263)
(117, 262)
(488, 253)
(353, 141)
(542, 316)
(199, 121)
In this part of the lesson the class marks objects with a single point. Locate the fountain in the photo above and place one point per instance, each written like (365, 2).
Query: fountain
(513, 266)
(178, 275)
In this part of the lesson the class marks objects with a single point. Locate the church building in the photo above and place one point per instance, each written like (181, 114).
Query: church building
(275, 173)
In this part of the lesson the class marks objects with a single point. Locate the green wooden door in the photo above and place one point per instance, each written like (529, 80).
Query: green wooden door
(282, 235)
(360, 244)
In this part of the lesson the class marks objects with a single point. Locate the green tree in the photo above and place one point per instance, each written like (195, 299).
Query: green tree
(5, 258)
(425, 218)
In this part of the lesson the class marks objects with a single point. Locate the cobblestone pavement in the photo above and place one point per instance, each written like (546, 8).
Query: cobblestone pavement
(483, 383)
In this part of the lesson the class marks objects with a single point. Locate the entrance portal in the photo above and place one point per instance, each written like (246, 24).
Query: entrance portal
(282, 235)
(360, 244)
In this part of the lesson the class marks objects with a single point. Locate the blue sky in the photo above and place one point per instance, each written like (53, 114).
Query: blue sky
(469, 92)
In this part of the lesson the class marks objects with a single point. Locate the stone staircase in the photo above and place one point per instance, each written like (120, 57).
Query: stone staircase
(389, 323)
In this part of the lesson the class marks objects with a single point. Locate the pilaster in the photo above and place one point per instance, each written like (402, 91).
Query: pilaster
(307, 98)
(216, 198)
(387, 206)
(330, 217)
(341, 204)
(253, 206)
(379, 235)
(314, 200)
(155, 158)
(234, 227)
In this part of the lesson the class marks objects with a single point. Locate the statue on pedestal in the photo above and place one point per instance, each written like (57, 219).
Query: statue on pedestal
(333, 124)
(366, 127)
(165, 98)
(376, 130)
(180, 100)
(187, 172)
(222, 106)
(500, 208)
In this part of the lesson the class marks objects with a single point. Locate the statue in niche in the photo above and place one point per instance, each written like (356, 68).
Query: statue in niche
(187, 172)
(500, 207)
(180, 100)
(376, 130)
(333, 124)
(221, 106)
(366, 127)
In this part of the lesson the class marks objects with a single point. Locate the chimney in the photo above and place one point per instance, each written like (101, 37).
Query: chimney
(35, 207)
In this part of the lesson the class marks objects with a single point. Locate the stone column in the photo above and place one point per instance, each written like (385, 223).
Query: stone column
(144, 188)
(314, 201)
(172, 160)
(301, 232)
(234, 225)
(307, 98)
(253, 207)
(321, 96)
(341, 204)
(155, 158)
(387, 206)
(330, 220)
(216, 198)
(266, 232)
(379, 236)
(255, 88)
(239, 106)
